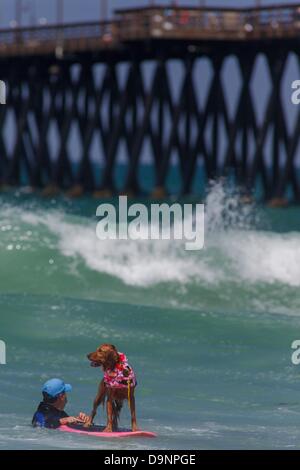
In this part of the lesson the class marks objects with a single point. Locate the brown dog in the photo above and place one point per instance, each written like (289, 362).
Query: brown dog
(117, 385)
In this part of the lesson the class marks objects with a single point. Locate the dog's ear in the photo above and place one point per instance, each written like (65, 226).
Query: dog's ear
(111, 359)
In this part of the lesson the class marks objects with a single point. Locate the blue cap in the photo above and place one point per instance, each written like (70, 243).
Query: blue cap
(55, 387)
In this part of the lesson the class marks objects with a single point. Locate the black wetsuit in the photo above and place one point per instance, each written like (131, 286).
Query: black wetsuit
(47, 416)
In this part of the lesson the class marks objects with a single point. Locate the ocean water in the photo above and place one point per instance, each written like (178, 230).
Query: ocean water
(209, 333)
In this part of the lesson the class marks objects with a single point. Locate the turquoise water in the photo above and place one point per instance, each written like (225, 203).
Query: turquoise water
(209, 333)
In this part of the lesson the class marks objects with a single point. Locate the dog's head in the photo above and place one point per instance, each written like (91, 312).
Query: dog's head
(105, 356)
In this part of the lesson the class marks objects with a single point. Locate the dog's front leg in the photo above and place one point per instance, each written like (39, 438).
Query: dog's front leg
(109, 409)
(134, 425)
(97, 402)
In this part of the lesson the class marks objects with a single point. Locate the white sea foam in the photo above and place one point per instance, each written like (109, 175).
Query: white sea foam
(233, 252)
(140, 263)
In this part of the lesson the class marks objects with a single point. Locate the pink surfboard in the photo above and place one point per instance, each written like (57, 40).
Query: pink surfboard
(96, 431)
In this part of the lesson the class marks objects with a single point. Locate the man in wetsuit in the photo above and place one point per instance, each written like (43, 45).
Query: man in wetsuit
(50, 412)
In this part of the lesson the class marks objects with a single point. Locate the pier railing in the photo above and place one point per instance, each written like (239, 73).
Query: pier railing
(39, 39)
(210, 23)
(157, 22)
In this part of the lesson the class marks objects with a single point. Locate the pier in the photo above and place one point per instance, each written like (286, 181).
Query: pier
(52, 81)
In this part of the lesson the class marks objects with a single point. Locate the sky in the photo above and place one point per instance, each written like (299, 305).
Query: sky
(85, 10)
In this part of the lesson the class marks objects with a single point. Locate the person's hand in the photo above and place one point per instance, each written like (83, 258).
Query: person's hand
(88, 422)
(68, 420)
(83, 418)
